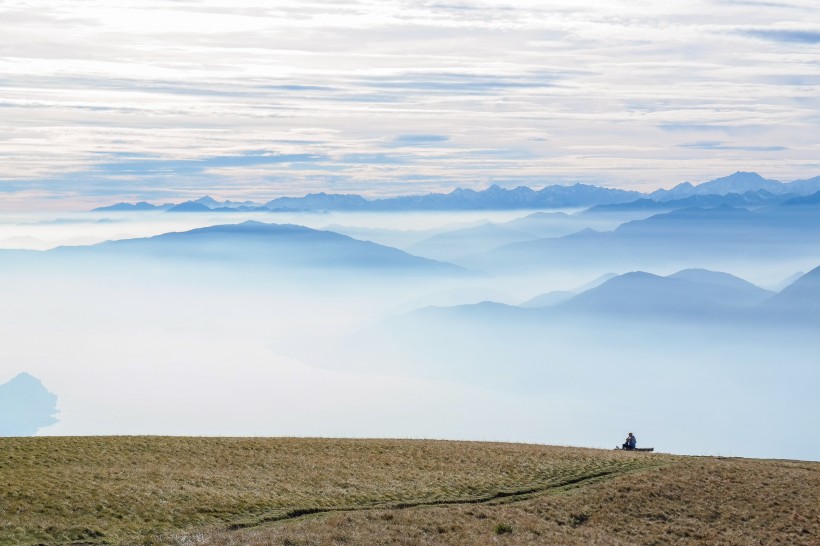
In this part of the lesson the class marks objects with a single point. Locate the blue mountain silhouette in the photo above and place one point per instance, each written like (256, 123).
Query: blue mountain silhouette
(799, 302)
(694, 291)
(131, 207)
(262, 244)
(463, 241)
(520, 198)
(681, 236)
(748, 199)
(25, 406)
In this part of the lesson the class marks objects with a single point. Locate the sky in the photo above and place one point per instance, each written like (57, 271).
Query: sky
(249, 99)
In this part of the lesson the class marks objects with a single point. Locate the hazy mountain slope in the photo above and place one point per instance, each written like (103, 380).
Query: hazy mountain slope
(465, 241)
(190, 206)
(320, 201)
(755, 198)
(398, 238)
(272, 245)
(688, 292)
(535, 221)
(638, 296)
(798, 302)
(750, 189)
(549, 298)
(778, 286)
(739, 182)
(744, 292)
(686, 237)
(25, 406)
(132, 207)
(807, 201)
(559, 224)
(492, 198)
(498, 198)
(804, 187)
(560, 296)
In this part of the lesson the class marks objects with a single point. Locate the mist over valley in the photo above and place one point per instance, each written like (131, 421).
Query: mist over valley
(527, 325)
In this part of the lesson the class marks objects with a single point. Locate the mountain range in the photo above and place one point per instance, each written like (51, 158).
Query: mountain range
(255, 244)
(739, 183)
(696, 292)
(498, 198)
(651, 324)
(686, 236)
(691, 294)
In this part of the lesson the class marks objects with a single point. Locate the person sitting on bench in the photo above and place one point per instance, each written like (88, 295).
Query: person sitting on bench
(630, 443)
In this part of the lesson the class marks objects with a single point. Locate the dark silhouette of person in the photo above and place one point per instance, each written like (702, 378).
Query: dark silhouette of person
(630, 443)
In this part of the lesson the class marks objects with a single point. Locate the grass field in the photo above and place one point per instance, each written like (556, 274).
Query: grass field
(185, 491)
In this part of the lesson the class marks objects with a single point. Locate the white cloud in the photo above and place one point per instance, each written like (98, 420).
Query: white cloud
(85, 81)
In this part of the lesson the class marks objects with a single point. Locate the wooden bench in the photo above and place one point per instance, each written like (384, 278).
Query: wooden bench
(647, 449)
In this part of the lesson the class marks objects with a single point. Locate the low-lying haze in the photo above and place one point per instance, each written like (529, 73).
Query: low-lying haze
(260, 328)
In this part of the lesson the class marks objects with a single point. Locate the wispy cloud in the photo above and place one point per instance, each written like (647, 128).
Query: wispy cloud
(793, 36)
(192, 166)
(717, 145)
(249, 98)
(418, 140)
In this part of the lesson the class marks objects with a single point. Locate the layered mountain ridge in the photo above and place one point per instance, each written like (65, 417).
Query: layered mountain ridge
(499, 198)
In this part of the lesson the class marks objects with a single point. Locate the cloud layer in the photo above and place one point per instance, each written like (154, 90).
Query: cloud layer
(169, 100)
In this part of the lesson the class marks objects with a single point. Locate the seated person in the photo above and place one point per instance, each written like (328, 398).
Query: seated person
(630, 443)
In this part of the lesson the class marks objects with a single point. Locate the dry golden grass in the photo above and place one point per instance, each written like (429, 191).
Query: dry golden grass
(149, 490)
(703, 501)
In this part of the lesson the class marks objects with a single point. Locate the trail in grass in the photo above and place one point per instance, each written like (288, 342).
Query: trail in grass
(509, 496)
(126, 490)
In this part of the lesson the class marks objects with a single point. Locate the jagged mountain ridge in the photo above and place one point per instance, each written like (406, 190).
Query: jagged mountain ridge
(498, 198)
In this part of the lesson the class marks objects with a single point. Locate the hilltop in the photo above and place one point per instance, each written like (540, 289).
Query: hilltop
(220, 491)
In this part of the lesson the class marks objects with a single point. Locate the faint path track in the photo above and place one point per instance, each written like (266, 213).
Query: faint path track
(505, 496)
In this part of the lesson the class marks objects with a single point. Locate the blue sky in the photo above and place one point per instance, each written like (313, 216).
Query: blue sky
(105, 101)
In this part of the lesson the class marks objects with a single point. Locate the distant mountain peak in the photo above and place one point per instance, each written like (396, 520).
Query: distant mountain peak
(140, 206)
(190, 206)
(738, 182)
(687, 291)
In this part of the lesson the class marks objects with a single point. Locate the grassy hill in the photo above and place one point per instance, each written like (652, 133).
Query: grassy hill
(231, 491)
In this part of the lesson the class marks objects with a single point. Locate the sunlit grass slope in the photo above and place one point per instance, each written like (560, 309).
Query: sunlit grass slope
(126, 490)
(157, 490)
(694, 502)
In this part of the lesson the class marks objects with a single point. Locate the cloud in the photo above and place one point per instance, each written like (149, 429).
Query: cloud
(193, 166)
(419, 140)
(759, 4)
(461, 83)
(372, 159)
(698, 128)
(103, 97)
(717, 145)
(788, 36)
